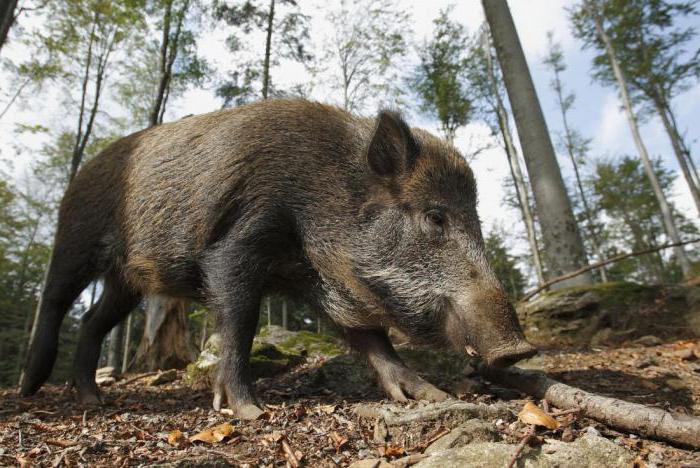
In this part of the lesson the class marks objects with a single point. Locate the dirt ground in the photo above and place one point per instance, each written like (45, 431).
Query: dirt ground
(307, 425)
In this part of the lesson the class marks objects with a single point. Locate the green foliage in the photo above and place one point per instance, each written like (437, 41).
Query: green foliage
(440, 78)
(248, 19)
(623, 195)
(649, 44)
(362, 56)
(504, 264)
(143, 71)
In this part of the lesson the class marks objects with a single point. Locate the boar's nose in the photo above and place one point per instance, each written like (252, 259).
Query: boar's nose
(508, 355)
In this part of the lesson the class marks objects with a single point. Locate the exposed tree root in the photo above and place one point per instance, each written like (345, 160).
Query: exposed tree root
(630, 417)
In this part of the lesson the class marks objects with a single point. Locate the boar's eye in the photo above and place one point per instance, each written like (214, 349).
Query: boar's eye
(435, 221)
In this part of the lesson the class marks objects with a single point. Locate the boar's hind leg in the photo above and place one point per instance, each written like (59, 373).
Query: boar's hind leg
(398, 381)
(68, 275)
(234, 284)
(114, 305)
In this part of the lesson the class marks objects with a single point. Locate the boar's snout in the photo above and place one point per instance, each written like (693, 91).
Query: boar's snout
(488, 323)
(508, 355)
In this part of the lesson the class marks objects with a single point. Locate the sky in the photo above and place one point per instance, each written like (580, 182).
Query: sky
(597, 113)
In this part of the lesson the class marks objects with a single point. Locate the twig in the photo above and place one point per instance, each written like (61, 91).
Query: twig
(289, 454)
(653, 423)
(614, 259)
(138, 377)
(521, 446)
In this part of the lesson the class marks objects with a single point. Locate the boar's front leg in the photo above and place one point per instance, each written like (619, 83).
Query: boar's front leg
(234, 282)
(398, 381)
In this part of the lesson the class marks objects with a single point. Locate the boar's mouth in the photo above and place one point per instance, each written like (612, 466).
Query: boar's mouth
(508, 355)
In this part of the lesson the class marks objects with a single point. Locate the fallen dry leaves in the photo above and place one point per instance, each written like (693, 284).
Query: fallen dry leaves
(214, 434)
(532, 414)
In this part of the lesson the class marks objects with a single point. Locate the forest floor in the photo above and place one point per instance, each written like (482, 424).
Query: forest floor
(307, 424)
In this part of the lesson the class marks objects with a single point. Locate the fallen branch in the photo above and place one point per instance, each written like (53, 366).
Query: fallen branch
(629, 417)
(137, 377)
(614, 259)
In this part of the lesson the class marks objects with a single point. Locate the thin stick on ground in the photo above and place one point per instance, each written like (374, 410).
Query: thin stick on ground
(523, 442)
(648, 422)
(593, 266)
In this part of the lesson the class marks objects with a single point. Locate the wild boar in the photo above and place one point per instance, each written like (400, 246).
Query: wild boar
(369, 220)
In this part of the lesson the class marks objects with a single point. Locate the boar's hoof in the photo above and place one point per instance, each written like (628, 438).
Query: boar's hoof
(407, 384)
(88, 395)
(246, 411)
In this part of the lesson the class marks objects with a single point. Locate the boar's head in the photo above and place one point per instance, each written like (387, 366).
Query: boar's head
(422, 253)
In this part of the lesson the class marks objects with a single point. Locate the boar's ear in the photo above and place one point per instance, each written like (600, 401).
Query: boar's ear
(392, 149)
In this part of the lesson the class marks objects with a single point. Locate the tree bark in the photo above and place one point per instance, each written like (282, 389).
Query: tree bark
(563, 244)
(7, 19)
(284, 314)
(666, 215)
(268, 45)
(162, 84)
(648, 422)
(115, 349)
(127, 344)
(165, 343)
(662, 109)
(568, 135)
(514, 165)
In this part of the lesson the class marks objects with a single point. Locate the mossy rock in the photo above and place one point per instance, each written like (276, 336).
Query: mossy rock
(304, 343)
(607, 313)
(266, 360)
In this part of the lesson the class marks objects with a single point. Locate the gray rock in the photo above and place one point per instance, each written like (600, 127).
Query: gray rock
(474, 430)
(589, 451)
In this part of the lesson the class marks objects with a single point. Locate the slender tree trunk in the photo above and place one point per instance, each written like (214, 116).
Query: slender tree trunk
(284, 314)
(563, 244)
(667, 216)
(127, 344)
(686, 150)
(268, 308)
(115, 349)
(163, 82)
(268, 45)
(7, 19)
(514, 164)
(662, 109)
(76, 158)
(203, 335)
(570, 150)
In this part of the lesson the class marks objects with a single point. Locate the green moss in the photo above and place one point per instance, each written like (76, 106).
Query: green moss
(311, 344)
(267, 360)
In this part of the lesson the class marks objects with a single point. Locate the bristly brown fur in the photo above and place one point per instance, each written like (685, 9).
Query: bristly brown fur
(278, 196)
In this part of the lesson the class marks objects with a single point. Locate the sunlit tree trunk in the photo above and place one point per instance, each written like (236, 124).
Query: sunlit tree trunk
(683, 159)
(562, 241)
(666, 215)
(7, 19)
(268, 45)
(514, 164)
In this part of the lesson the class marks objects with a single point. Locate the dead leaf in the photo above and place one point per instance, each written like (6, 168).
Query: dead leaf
(176, 438)
(214, 434)
(293, 456)
(338, 440)
(274, 436)
(328, 409)
(63, 443)
(532, 414)
(394, 451)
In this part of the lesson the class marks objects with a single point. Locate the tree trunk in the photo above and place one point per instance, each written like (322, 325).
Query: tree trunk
(163, 82)
(127, 344)
(7, 19)
(570, 150)
(268, 308)
(678, 150)
(667, 216)
(268, 45)
(514, 165)
(284, 314)
(115, 349)
(166, 341)
(563, 244)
